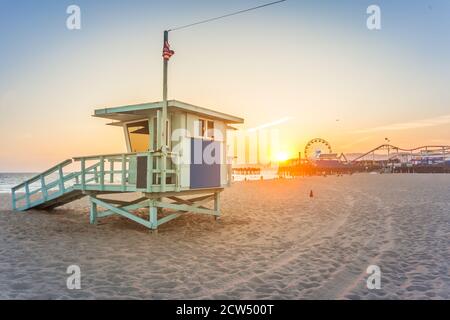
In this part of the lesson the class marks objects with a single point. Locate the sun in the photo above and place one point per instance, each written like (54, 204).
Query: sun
(281, 156)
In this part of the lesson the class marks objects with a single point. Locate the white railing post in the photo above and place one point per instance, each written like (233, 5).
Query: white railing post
(177, 172)
(27, 193)
(13, 192)
(102, 173)
(124, 171)
(83, 174)
(44, 188)
(61, 179)
(111, 167)
(163, 171)
(95, 174)
(149, 171)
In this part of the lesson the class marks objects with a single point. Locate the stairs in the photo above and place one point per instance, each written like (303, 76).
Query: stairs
(40, 193)
(61, 200)
(110, 173)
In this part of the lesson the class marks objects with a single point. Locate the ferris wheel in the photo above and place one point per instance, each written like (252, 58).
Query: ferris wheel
(315, 147)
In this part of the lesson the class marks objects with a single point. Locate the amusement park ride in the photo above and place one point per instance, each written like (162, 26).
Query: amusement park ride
(430, 158)
(319, 159)
(316, 147)
(319, 149)
(384, 158)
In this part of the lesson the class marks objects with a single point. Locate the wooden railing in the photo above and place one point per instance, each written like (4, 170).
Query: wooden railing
(110, 172)
(118, 173)
(43, 192)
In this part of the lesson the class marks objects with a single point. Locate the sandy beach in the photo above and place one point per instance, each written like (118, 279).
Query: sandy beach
(273, 242)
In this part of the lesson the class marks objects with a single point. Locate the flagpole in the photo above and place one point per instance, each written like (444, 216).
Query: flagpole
(166, 39)
(163, 124)
(165, 103)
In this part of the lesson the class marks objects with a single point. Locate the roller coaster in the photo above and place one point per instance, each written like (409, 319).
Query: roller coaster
(424, 155)
(385, 158)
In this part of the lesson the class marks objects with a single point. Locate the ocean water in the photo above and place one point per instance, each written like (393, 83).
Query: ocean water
(9, 180)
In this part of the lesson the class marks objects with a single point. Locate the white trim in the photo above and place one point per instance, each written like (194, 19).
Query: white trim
(117, 113)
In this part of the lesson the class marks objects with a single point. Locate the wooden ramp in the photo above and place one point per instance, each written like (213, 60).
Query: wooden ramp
(61, 200)
(47, 190)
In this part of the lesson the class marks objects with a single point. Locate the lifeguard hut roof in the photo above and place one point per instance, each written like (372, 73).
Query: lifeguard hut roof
(137, 111)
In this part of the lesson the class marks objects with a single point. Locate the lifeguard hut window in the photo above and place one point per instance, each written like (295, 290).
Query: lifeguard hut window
(210, 131)
(139, 135)
(205, 129)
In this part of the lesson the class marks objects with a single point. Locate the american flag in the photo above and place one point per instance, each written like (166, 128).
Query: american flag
(167, 53)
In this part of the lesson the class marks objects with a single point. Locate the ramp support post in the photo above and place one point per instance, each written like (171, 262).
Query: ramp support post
(217, 205)
(93, 211)
(153, 215)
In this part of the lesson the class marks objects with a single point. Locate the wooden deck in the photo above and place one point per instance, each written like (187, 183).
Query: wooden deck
(116, 173)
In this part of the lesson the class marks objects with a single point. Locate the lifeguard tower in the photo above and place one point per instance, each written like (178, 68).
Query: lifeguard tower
(176, 160)
(189, 160)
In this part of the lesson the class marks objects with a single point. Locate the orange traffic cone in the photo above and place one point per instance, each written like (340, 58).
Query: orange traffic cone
(311, 194)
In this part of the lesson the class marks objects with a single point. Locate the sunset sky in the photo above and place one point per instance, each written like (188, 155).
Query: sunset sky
(314, 63)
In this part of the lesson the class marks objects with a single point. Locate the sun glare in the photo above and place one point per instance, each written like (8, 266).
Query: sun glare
(281, 156)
